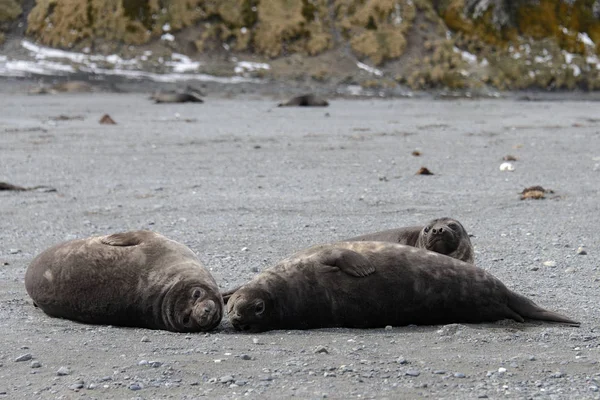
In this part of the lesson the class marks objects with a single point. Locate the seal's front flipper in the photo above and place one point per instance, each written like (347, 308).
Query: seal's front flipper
(349, 262)
(125, 239)
(228, 293)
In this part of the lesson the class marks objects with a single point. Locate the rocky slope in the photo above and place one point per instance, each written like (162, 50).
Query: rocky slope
(455, 44)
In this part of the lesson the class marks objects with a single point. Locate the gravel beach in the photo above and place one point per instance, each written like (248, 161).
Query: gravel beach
(245, 184)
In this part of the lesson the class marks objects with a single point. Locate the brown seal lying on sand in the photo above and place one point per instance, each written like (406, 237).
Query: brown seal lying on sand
(442, 235)
(375, 284)
(137, 278)
(187, 96)
(307, 100)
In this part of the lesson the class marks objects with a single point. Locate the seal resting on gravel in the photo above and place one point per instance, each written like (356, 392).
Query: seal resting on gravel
(137, 278)
(306, 100)
(374, 284)
(442, 235)
(188, 96)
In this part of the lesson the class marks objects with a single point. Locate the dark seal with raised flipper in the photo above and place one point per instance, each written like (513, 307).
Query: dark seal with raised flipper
(375, 284)
(139, 279)
(443, 235)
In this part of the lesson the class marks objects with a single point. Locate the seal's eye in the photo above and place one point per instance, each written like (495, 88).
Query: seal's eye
(426, 229)
(453, 226)
(197, 293)
(259, 307)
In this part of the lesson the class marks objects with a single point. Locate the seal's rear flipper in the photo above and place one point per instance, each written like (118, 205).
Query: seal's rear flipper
(349, 262)
(125, 238)
(528, 309)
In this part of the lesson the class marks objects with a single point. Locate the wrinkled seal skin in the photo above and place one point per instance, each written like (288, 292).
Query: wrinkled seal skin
(137, 278)
(443, 235)
(374, 284)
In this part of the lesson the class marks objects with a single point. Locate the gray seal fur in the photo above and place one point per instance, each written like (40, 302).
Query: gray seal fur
(137, 278)
(443, 235)
(375, 284)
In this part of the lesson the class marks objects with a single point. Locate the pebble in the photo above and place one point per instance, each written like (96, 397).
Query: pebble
(401, 360)
(77, 385)
(226, 379)
(245, 357)
(135, 386)
(143, 362)
(558, 374)
(459, 375)
(501, 370)
(321, 350)
(35, 364)
(145, 339)
(388, 327)
(14, 251)
(549, 263)
(155, 364)
(62, 371)
(594, 388)
(255, 341)
(506, 166)
(581, 251)
(24, 357)
(439, 372)
(92, 386)
(450, 329)
(412, 372)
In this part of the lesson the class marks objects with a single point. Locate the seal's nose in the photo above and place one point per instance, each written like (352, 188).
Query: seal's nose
(204, 310)
(437, 231)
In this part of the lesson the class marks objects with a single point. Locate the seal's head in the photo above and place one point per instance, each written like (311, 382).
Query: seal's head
(442, 235)
(251, 309)
(192, 308)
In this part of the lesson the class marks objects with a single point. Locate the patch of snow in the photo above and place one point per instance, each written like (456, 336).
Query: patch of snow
(466, 56)
(166, 27)
(585, 39)
(370, 70)
(249, 66)
(243, 30)
(542, 60)
(397, 14)
(48, 61)
(168, 37)
(568, 56)
(484, 62)
(576, 70)
(531, 74)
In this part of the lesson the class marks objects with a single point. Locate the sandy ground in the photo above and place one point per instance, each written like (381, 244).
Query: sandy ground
(245, 184)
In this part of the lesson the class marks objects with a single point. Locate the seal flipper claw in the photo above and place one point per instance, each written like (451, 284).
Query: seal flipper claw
(125, 239)
(349, 262)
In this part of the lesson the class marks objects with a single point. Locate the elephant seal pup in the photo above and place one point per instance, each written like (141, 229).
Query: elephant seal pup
(177, 97)
(374, 284)
(137, 278)
(443, 235)
(307, 100)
